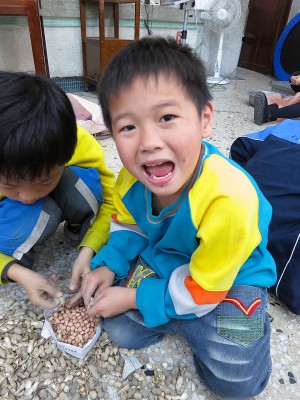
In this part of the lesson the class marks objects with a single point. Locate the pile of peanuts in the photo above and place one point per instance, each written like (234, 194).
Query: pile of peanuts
(73, 325)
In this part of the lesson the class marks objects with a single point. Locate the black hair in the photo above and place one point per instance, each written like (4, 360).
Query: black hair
(153, 56)
(37, 126)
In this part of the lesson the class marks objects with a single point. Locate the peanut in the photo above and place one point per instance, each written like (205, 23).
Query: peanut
(73, 326)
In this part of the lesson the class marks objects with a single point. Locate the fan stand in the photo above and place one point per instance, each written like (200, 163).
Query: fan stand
(217, 79)
(187, 6)
(184, 30)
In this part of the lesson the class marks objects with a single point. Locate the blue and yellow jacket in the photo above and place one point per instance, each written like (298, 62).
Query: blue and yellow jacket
(214, 236)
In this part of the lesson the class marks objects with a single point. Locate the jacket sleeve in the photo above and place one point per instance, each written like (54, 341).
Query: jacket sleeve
(4, 260)
(243, 149)
(126, 239)
(89, 153)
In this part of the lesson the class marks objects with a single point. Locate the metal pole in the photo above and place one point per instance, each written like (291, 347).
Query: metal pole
(187, 6)
(184, 30)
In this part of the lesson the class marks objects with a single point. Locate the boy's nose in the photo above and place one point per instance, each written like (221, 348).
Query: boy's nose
(27, 198)
(150, 139)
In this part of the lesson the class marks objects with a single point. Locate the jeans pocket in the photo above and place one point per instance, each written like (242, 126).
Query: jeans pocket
(240, 316)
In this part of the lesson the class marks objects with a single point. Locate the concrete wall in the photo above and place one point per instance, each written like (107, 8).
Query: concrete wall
(63, 37)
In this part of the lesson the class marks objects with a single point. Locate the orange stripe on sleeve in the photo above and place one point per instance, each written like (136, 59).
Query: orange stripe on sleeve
(202, 296)
(115, 217)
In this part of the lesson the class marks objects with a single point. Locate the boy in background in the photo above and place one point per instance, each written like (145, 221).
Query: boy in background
(50, 171)
(188, 240)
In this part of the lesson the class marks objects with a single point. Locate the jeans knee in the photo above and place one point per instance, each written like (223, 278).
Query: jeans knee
(232, 385)
(233, 391)
(118, 334)
(228, 390)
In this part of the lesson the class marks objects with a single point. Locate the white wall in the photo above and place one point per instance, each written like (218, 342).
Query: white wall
(63, 35)
(63, 38)
(15, 49)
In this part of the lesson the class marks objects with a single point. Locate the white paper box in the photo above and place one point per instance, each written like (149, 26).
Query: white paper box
(78, 352)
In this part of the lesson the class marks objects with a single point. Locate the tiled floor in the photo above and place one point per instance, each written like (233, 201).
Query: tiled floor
(233, 117)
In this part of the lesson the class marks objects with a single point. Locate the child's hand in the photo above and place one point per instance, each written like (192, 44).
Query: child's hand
(80, 268)
(98, 279)
(40, 291)
(112, 301)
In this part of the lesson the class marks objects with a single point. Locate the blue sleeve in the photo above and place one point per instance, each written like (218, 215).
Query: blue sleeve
(150, 300)
(122, 248)
(155, 303)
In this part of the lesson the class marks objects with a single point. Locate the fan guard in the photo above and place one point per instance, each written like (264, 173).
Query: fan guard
(223, 14)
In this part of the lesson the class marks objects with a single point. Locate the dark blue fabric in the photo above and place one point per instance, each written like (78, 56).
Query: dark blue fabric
(272, 157)
(286, 60)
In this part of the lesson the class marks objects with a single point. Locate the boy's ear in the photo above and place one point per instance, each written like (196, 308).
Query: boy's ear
(207, 120)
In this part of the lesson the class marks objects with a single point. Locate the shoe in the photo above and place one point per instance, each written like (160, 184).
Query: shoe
(260, 108)
(262, 111)
(72, 231)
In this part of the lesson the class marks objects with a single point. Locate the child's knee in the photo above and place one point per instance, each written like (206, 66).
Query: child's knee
(88, 179)
(52, 215)
(240, 390)
(128, 331)
(118, 333)
(236, 382)
(79, 194)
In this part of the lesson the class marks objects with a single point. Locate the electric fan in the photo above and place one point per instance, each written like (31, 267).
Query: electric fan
(219, 16)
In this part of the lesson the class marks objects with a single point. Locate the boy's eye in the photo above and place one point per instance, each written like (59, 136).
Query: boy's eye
(167, 118)
(47, 182)
(7, 186)
(127, 128)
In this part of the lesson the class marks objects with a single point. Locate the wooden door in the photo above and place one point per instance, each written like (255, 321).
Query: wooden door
(266, 20)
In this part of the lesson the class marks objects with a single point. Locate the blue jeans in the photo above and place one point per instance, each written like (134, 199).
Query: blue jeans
(231, 349)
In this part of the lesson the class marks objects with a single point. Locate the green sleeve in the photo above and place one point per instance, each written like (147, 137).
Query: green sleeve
(4, 260)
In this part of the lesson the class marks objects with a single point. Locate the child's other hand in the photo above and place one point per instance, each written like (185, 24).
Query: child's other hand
(80, 268)
(98, 279)
(112, 301)
(40, 291)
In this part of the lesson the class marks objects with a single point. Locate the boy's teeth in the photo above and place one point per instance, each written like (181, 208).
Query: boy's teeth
(159, 177)
(159, 170)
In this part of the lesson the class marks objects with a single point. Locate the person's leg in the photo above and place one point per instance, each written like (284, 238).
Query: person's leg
(231, 344)
(281, 99)
(292, 111)
(79, 196)
(266, 112)
(129, 331)
(23, 226)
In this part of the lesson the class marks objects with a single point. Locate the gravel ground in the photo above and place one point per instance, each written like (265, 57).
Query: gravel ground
(31, 367)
